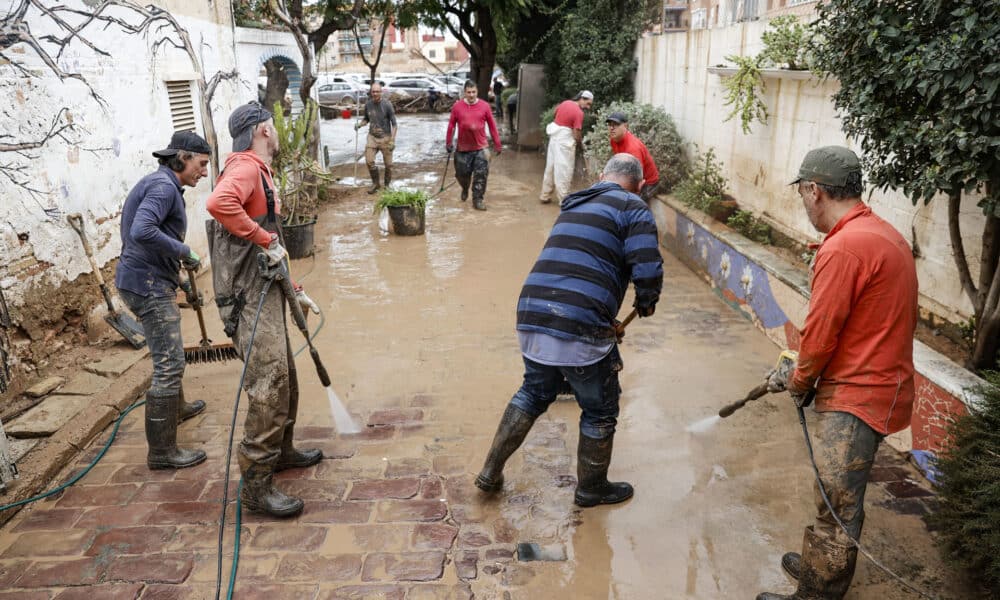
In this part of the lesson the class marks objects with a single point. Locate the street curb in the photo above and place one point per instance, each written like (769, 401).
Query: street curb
(39, 470)
(774, 294)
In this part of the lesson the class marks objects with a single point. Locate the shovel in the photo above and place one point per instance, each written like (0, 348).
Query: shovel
(122, 323)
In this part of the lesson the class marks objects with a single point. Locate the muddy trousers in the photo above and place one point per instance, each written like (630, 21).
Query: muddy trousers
(844, 447)
(271, 382)
(472, 169)
(161, 324)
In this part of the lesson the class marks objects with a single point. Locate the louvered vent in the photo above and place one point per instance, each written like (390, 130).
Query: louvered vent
(181, 107)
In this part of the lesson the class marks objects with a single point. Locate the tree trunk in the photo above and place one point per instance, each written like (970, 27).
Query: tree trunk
(277, 84)
(984, 357)
(487, 53)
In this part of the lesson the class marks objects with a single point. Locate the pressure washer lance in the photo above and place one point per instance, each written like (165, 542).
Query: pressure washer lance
(786, 363)
(279, 273)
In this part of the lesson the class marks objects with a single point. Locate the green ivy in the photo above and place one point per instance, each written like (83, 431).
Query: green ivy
(654, 127)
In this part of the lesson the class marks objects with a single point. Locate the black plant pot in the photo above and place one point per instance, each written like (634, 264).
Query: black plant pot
(407, 220)
(299, 237)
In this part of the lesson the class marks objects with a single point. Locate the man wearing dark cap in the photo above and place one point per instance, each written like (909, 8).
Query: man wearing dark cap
(855, 359)
(154, 223)
(623, 140)
(247, 223)
(565, 134)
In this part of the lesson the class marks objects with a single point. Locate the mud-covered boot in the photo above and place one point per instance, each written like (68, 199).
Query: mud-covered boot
(260, 495)
(161, 434)
(465, 194)
(292, 457)
(791, 563)
(388, 176)
(478, 203)
(826, 569)
(375, 184)
(514, 426)
(593, 487)
(189, 409)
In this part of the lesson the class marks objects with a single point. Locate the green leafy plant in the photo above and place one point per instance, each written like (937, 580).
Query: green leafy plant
(654, 127)
(920, 92)
(705, 186)
(786, 43)
(750, 226)
(968, 513)
(299, 177)
(744, 90)
(506, 94)
(401, 197)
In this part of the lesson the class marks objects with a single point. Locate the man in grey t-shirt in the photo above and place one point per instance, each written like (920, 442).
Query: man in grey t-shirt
(382, 129)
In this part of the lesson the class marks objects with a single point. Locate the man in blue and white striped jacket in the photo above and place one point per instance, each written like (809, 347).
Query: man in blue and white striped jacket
(604, 237)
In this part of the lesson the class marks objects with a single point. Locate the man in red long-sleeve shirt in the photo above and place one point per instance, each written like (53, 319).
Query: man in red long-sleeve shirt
(623, 140)
(248, 223)
(857, 353)
(472, 163)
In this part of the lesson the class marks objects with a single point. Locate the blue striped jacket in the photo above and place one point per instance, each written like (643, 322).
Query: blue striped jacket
(604, 237)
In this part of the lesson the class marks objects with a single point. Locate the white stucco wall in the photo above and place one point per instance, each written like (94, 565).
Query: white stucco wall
(93, 170)
(673, 73)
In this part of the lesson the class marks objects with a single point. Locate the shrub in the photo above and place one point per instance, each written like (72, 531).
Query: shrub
(654, 127)
(401, 197)
(506, 94)
(786, 43)
(704, 187)
(750, 226)
(968, 516)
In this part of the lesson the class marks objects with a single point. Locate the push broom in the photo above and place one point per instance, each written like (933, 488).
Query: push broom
(205, 351)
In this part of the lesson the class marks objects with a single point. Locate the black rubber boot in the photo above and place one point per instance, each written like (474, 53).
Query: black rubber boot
(791, 563)
(388, 176)
(479, 203)
(260, 495)
(514, 426)
(291, 457)
(161, 434)
(189, 409)
(375, 184)
(465, 194)
(825, 569)
(593, 487)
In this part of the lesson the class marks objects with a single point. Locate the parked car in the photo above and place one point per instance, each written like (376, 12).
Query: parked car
(341, 93)
(451, 85)
(415, 87)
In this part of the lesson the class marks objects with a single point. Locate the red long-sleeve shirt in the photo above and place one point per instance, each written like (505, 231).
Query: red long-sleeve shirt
(239, 197)
(858, 336)
(634, 146)
(472, 120)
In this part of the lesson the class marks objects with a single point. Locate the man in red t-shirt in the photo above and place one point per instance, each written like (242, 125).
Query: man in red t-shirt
(856, 353)
(472, 163)
(564, 136)
(248, 223)
(622, 140)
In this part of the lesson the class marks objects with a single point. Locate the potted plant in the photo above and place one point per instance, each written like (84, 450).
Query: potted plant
(406, 210)
(299, 178)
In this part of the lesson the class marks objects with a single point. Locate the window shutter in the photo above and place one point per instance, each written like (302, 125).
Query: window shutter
(181, 105)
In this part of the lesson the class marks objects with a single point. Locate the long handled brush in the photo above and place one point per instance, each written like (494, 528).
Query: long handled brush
(205, 351)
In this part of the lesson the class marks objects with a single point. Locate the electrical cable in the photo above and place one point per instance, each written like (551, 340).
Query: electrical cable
(836, 517)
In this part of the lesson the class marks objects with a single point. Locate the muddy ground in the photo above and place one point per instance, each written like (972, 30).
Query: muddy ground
(418, 337)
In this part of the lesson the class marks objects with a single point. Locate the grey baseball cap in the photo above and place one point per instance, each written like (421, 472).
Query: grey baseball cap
(617, 117)
(242, 122)
(829, 165)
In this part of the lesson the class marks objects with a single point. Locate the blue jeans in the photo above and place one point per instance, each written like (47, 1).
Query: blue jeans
(595, 386)
(161, 322)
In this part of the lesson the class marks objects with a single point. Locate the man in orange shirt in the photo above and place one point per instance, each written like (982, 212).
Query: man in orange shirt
(622, 140)
(856, 353)
(248, 223)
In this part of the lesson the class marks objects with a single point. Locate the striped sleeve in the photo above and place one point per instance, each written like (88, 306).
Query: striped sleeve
(642, 252)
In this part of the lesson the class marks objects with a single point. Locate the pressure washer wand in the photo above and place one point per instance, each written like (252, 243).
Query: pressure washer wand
(754, 394)
(279, 273)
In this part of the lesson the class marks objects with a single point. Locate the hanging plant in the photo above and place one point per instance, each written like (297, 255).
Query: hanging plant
(744, 90)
